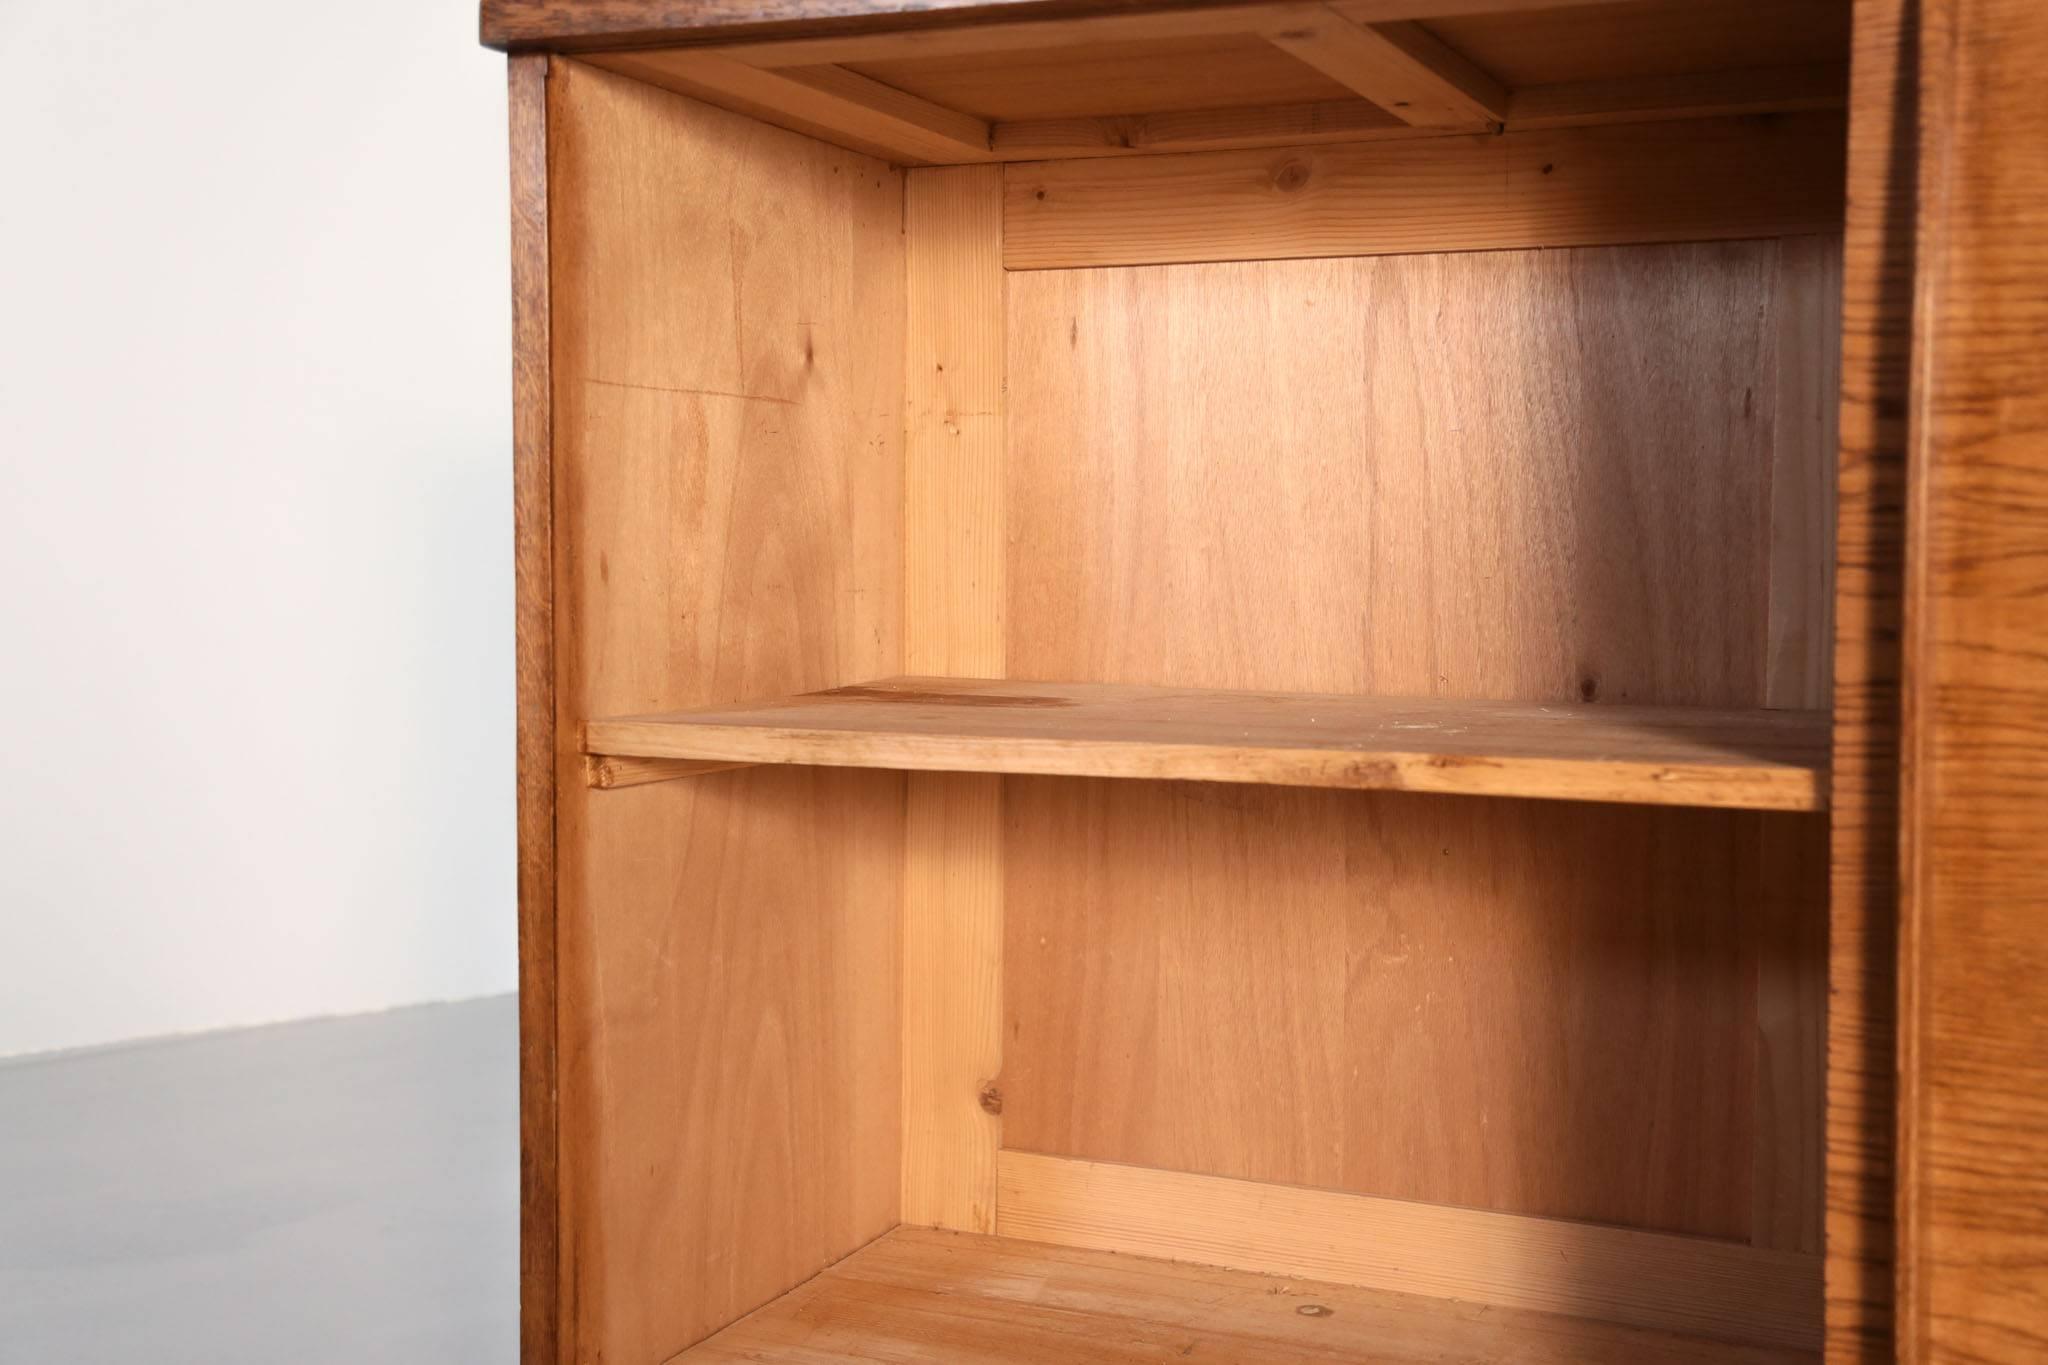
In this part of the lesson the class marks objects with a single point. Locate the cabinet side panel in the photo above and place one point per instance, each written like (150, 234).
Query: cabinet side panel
(1877, 310)
(1973, 1110)
(534, 636)
(728, 341)
(1533, 475)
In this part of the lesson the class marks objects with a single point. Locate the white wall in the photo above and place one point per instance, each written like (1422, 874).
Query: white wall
(255, 511)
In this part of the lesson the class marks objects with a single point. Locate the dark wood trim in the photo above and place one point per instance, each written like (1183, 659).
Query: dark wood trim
(1870, 546)
(1973, 962)
(533, 570)
(590, 25)
(593, 25)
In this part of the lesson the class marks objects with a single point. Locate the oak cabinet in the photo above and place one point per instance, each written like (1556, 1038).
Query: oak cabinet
(1240, 681)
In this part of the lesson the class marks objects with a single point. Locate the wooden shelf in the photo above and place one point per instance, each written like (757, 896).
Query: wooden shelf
(1667, 756)
(916, 1296)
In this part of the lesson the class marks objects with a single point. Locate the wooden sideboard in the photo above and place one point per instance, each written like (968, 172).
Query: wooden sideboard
(1353, 682)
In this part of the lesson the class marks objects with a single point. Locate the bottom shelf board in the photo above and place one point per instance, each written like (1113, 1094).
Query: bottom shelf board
(951, 1298)
(1666, 755)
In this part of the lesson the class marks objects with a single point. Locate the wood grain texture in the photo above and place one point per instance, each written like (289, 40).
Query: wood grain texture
(1492, 515)
(1196, 130)
(1791, 865)
(1522, 1007)
(1973, 1067)
(1686, 1284)
(1692, 181)
(953, 576)
(1159, 75)
(1806, 435)
(1387, 477)
(1877, 303)
(953, 485)
(1164, 94)
(1039, 40)
(1654, 756)
(952, 1001)
(584, 25)
(610, 771)
(954, 1300)
(1787, 875)
(1402, 67)
(1704, 94)
(727, 392)
(841, 106)
(534, 653)
(1570, 43)
(1708, 95)
(1241, 75)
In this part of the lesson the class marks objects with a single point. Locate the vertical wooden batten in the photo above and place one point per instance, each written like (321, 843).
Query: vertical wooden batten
(1973, 960)
(1877, 302)
(954, 625)
(533, 631)
(1791, 899)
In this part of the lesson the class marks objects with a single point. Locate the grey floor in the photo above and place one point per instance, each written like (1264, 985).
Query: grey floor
(337, 1190)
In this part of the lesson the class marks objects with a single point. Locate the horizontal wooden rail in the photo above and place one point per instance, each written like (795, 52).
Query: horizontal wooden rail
(1037, 36)
(1648, 1279)
(1711, 94)
(1697, 180)
(838, 105)
(1704, 94)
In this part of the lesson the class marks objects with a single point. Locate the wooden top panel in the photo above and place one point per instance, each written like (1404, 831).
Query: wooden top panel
(589, 25)
(1522, 50)
(1683, 756)
(593, 25)
(1153, 76)
(1023, 80)
(1521, 43)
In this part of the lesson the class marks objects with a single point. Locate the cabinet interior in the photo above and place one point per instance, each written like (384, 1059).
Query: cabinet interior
(1200, 635)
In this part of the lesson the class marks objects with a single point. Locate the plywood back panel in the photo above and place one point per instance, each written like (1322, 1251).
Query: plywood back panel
(727, 384)
(1514, 475)
(1484, 1003)
(1520, 475)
